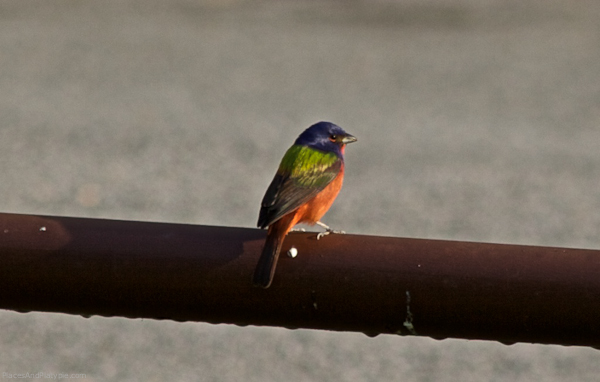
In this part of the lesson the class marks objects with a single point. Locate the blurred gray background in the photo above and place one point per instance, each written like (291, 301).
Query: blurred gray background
(477, 120)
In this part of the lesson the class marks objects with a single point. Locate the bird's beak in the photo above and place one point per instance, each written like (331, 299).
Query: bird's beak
(349, 139)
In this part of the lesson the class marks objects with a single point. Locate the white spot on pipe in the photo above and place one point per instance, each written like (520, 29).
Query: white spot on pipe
(293, 252)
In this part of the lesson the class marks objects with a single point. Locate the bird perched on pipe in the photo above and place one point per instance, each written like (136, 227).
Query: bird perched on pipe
(307, 182)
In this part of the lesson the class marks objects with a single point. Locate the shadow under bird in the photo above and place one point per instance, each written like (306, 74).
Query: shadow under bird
(307, 182)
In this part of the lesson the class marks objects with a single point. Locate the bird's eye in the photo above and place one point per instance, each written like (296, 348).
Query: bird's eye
(333, 137)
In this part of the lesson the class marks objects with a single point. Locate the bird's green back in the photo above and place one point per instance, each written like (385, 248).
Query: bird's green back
(308, 167)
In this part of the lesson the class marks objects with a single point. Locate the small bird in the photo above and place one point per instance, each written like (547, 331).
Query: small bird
(307, 182)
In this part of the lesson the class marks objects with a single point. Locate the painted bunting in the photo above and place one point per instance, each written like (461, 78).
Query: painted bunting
(307, 182)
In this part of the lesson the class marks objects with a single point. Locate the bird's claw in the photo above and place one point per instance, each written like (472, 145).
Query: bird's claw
(297, 230)
(328, 232)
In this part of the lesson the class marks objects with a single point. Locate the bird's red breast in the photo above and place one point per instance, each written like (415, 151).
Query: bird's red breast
(313, 210)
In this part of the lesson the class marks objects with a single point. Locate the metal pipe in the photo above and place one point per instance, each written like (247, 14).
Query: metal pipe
(369, 284)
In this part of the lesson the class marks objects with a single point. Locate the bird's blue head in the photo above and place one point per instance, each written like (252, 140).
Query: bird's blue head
(325, 136)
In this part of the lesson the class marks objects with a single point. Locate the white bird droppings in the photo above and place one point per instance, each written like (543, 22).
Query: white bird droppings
(293, 252)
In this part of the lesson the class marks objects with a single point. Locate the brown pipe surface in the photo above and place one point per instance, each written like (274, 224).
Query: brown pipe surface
(369, 284)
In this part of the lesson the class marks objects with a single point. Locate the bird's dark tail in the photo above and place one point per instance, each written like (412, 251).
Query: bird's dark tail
(265, 269)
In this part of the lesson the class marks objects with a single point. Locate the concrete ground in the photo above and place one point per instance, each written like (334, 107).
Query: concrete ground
(477, 120)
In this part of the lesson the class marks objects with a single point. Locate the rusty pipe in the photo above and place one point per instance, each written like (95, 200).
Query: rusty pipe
(369, 284)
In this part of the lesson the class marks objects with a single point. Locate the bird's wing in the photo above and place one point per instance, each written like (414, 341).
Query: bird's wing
(303, 173)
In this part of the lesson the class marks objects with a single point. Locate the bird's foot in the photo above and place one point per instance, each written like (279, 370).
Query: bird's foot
(328, 231)
(297, 230)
